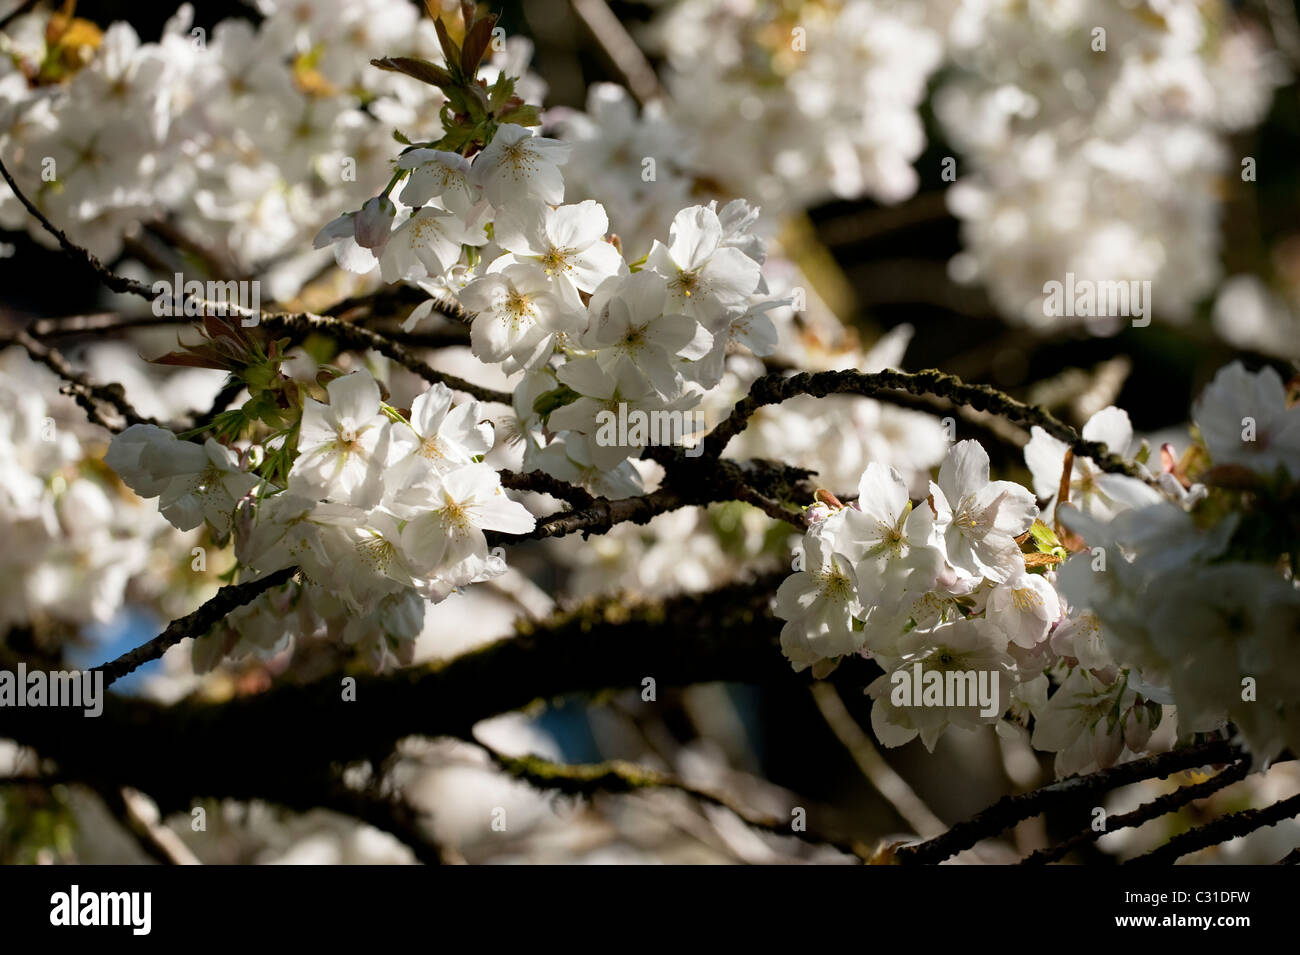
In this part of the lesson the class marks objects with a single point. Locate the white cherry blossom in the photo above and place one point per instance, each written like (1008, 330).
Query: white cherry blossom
(344, 446)
(979, 519)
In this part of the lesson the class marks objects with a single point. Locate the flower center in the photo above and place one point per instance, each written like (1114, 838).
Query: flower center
(688, 283)
(431, 447)
(1026, 599)
(556, 260)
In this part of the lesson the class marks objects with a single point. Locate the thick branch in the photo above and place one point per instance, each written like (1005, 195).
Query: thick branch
(776, 388)
(281, 744)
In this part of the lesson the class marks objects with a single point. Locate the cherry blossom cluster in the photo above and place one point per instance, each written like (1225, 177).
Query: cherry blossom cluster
(943, 586)
(1197, 589)
(380, 511)
(239, 138)
(83, 542)
(1093, 141)
(1091, 138)
(641, 166)
(1170, 593)
(813, 100)
(555, 301)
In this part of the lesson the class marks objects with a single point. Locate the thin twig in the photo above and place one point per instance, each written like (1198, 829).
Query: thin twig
(1221, 830)
(880, 774)
(356, 336)
(621, 49)
(220, 402)
(82, 390)
(135, 814)
(1143, 814)
(1010, 810)
(620, 776)
(302, 323)
(195, 624)
(98, 322)
(113, 281)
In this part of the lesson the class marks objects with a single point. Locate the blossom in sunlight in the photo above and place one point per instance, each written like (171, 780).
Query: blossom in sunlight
(978, 518)
(343, 446)
(521, 167)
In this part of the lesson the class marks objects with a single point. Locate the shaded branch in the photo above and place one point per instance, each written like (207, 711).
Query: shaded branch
(391, 814)
(79, 387)
(622, 50)
(620, 776)
(1014, 808)
(281, 744)
(883, 778)
(1144, 813)
(98, 322)
(110, 279)
(1221, 830)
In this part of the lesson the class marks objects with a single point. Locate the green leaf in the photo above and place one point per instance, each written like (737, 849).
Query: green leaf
(525, 115)
(500, 94)
(456, 138)
(554, 399)
(1044, 537)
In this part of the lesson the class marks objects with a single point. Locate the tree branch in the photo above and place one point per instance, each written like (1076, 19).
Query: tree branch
(113, 281)
(776, 388)
(358, 336)
(195, 624)
(281, 744)
(1221, 830)
(1144, 813)
(304, 323)
(390, 814)
(1011, 809)
(80, 388)
(543, 483)
(619, 776)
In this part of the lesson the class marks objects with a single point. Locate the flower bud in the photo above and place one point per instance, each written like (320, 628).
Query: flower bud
(374, 223)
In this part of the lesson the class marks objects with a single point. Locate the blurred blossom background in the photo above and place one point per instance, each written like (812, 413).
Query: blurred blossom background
(923, 169)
